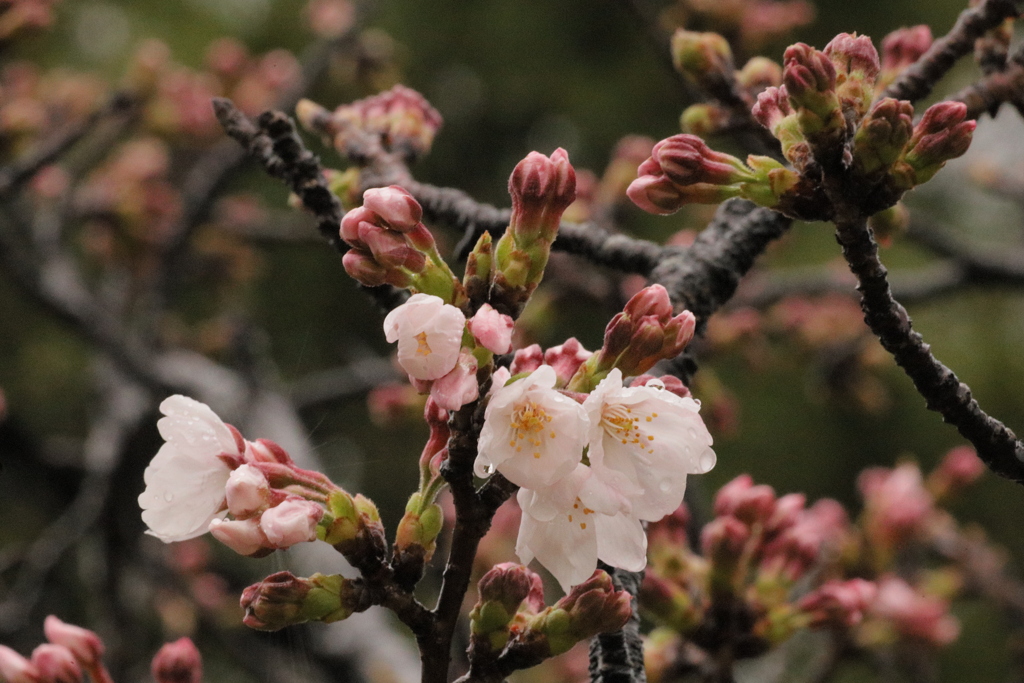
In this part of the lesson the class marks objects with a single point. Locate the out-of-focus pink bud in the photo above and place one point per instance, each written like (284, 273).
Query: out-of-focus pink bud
(247, 492)
(960, 468)
(56, 664)
(293, 521)
(896, 503)
(914, 615)
(722, 541)
(527, 359)
(87, 647)
(245, 537)
(491, 329)
(903, 47)
(669, 383)
(746, 502)
(787, 512)
(704, 58)
(178, 662)
(840, 603)
(593, 607)
(395, 205)
(758, 74)
(16, 669)
(459, 386)
(566, 359)
(670, 531)
(541, 188)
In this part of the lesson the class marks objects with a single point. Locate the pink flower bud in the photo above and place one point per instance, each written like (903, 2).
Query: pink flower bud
(670, 531)
(177, 662)
(265, 450)
(772, 106)
(914, 615)
(509, 584)
(941, 135)
(527, 360)
(852, 54)
(293, 521)
(492, 330)
(686, 160)
(806, 74)
(16, 669)
(275, 602)
(787, 512)
(351, 226)
(390, 249)
(896, 504)
(245, 537)
(744, 501)
(87, 647)
(362, 267)
(56, 664)
(841, 603)
(566, 359)
(959, 469)
(395, 206)
(904, 46)
(541, 188)
(722, 540)
(459, 386)
(653, 300)
(704, 58)
(594, 606)
(247, 491)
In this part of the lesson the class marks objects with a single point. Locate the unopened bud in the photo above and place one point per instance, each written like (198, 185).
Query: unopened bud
(244, 536)
(839, 603)
(900, 49)
(810, 80)
(178, 662)
(362, 267)
(87, 647)
(16, 669)
(748, 503)
(704, 120)
(704, 58)
(56, 664)
(478, 268)
(283, 599)
(527, 359)
(882, 135)
(593, 607)
(419, 528)
(247, 492)
(722, 541)
(566, 359)
(773, 111)
(293, 521)
(541, 188)
(942, 134)
(759, 74)
(491, 329)
(399, 209)
(856, 63)
(668, 603)
(502, 590)
(959, 469)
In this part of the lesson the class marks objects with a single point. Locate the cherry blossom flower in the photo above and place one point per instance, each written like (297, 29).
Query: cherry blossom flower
(568, 537)
(185, 481)
(429, 335)
(643, 443)
(459, 386)
(532, 434)
(16, 669)
(491, 329)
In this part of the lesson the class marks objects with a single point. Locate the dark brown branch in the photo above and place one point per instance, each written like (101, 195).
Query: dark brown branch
(986, 95)
(704, 276)
(943, 392)
(917, 81)
(14, 176)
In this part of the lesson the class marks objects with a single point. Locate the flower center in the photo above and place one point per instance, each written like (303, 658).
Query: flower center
(578, 511)
(423, 348)
(530, 427)
(620, 423)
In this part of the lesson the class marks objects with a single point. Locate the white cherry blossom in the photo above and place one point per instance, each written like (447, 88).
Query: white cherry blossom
(186, 479)
(532, 434)
(429, 335)
(643, 443)
(568, 537)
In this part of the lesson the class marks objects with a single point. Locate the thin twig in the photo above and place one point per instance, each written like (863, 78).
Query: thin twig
(917, 81)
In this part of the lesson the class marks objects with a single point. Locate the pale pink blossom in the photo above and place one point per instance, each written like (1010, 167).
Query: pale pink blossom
(186, 479)
(87, 647)
(527, 359)
(839, 602)
(429, 335)
(491, 329)
(568, 537)
(914, 615)
(16, 669)
(896, 503)
(459, 386)
(643, 443)
(532, 434)
(56, 664)
(293, 521)
(247, 492)
(244, 536)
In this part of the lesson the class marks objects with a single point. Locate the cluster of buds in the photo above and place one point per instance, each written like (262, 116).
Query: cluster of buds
(283, 599)
(714, 117)
(72, 652)
(645, 332)
(390, 245)
(754, 553)
(542, 188)
(511, 621)
(827, 120)
(400, 119)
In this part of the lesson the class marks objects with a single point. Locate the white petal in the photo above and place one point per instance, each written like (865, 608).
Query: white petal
(567, 549)
(183, 494)
(545, 504)
(622, 542)
(194, 426)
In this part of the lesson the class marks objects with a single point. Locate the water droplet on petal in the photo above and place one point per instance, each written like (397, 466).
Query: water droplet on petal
(707, 460)
(665, 485)
(692, 432)
(168, 496)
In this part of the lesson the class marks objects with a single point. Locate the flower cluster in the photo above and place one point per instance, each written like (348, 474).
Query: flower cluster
(827, 116)
(72, 652)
